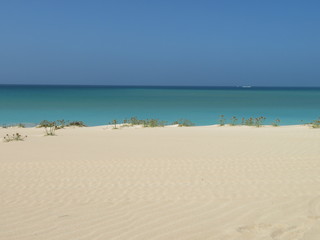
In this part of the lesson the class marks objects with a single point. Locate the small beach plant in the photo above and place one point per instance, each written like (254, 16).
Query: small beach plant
(114, 122)
(276, 123)
(184, 123)
(250, 121)
(147, 123)
(315, 123)
(253, 121)
(14, 137)
(77, 124)
(132, 121)
(21, 125)
(50, 127)
(135, 121)
(125, 123)
(222, 120)
(243, 121)
(153, 123)
(259, 121)
(234, 121)
(43, 123)
(60, 124)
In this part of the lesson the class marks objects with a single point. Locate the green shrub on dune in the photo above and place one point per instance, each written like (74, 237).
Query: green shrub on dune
(315, 123)
(51, 126)
(77, 124)
(134, 121)
(184, 123)
(153, 123)
(257, 122)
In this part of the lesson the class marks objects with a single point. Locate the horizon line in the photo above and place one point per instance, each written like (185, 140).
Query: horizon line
(156, 86)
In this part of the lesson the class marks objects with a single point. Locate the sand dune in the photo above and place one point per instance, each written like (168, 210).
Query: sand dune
(226, 183)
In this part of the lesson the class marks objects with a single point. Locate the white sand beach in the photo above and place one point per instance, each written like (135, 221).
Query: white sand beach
(171, 183)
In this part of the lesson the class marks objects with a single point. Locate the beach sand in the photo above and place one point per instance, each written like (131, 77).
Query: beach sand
(210, 182)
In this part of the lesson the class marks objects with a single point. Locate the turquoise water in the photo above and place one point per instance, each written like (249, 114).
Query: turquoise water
(100, 105)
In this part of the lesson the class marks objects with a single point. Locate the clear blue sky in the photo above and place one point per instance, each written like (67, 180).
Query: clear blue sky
(167, 42)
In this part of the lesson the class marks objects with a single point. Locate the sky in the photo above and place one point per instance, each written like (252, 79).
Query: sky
(167, 42)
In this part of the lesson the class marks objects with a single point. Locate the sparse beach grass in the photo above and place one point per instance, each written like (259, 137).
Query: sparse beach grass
(154, 123)
(222, 120)
(51, 126)
(114, 123)
(76, 124)
(14, 137)
(234, 121)
(19, 125)
(134, 121)
(276, 123)
(316, 123)
(60, 124)
(256, 122)
(184, 123)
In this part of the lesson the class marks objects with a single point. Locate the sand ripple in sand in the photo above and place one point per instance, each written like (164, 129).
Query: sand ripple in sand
(170, 183)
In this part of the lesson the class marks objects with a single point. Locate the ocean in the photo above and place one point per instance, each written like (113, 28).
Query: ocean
(99, 105)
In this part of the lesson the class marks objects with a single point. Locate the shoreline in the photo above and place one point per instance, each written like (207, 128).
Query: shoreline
(35, 125)
(171, 125)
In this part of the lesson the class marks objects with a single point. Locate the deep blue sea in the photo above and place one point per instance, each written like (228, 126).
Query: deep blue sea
(98, 105)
